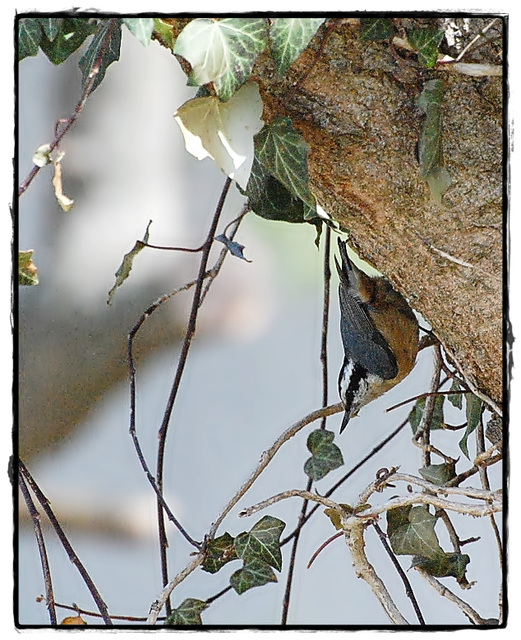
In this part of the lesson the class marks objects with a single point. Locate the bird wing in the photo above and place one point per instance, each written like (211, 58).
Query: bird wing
(362, 342)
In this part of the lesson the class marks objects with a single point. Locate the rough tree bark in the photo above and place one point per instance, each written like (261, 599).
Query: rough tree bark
(357, 109)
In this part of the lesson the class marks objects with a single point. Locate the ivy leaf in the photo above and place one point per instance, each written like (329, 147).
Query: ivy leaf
(439, 474)
(71, 35)
(222, 52)
(426, 41)
(27, 270)
(51, 27)
(430, 143)
(376, 29)
(254, 574)
(165, 32)
(416, 414)
(262, 542)
(223, 131)
(219, 552)
(270, 199)
(443, 565)
(142, 28)
(411, 532)
(125, 267)
(289, 37)
(456, 399)
(29, 37)
(102, 52)
(326, 455)
(284, 153)
(187, 613)
(474, 408)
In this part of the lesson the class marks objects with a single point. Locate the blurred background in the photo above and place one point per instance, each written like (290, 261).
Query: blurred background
(253, 369)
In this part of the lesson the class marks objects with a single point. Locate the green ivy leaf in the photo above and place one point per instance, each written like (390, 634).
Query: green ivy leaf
(443, 565)
(187, 613)
(457, 399)
(51, 27)
(142, 28)
(439, 474)
(326, 455)
(222, 52)
(254, 574)
(376, 28)
(262, 542)
(165, 32)
(416, 414)
(71, 35)
(284, 153)
(270, 199)
(289, 37)
(29, 37)
(411, 532)
(102, 52)
(474, 409)
(219, 552)
(125, 267)
(430, 143)
(426, 41)
(27, 270)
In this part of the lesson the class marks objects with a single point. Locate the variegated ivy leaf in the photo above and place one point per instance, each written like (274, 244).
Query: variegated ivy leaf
(222, 52)
(289, 37)
(284, 153)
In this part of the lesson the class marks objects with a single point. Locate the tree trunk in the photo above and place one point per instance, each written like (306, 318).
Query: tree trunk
(357, 109)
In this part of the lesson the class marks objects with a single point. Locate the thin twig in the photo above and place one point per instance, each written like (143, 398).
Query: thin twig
(46, 569)
(485, 483)
(365, 570)
(471, 613)
(325, 323)
(102, 607)
(408, 588)
(476, 38)
(165, 594)
(493, 503)
(423, 431)
(132, 429)
(427, 394)
(79, 107)
(95, 614)
(325, 394)
(190, 331)
(164, 248)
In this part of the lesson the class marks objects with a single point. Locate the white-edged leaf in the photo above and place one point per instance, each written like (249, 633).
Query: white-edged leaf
(289, 37)
(222, 51)
(223, 130)
(142, 28)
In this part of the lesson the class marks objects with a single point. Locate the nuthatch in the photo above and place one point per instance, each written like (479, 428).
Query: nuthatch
(379, 333)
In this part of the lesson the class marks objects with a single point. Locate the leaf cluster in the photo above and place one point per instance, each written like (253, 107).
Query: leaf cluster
(473, 410)
(259, 550)
(411, 531)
